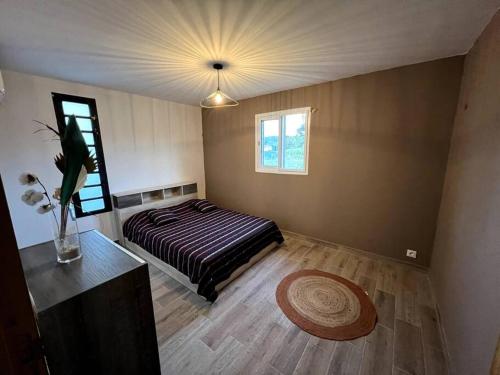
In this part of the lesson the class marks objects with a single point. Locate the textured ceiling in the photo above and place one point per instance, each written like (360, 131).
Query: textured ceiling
(164, 48)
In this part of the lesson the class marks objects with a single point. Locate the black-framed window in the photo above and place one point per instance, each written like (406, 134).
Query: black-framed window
(94, 198)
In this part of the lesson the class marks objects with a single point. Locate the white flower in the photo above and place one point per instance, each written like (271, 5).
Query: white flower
(44, 208)
(57, 194)
(26, 197)
(37, 196)
(32, 197)
(28, 178)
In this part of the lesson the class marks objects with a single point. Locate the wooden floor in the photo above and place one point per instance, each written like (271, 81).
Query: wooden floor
(245, 332)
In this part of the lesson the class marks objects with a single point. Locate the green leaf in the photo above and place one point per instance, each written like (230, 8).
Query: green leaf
(75, 151)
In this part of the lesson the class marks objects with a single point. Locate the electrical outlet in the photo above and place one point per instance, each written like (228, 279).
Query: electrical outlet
(411, 253)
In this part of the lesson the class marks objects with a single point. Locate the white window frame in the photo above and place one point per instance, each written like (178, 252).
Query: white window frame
(278, 115)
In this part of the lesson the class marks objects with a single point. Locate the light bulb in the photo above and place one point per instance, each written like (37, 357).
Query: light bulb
(218, 98)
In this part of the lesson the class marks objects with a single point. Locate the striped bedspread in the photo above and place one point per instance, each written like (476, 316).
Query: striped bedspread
(207, 247)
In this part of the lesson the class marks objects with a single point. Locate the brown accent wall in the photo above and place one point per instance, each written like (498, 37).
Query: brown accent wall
(378, 151)
(465, 269)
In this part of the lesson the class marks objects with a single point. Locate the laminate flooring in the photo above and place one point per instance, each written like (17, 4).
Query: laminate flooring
(245, 332)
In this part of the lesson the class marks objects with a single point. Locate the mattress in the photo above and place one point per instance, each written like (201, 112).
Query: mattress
(206, 247)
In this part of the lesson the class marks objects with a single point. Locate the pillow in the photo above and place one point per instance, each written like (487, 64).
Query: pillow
(203, 205)
(162, 217)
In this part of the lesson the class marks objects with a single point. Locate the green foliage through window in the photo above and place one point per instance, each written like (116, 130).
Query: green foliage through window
(283, 141)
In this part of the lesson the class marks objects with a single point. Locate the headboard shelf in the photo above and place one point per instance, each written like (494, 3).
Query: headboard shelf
(127, 203)
(151, 196)
(173, 192)
(139, 197)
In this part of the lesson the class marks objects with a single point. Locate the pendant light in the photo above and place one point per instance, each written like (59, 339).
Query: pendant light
(218, 99)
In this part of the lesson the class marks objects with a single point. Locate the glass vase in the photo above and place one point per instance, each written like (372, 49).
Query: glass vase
(66, 236)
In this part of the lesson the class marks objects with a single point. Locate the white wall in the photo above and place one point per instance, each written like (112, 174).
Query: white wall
(147, 142)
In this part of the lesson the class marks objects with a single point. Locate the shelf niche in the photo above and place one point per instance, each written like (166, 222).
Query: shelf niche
(152, 195)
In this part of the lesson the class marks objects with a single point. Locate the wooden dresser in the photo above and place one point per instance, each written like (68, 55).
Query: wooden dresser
(95, 315)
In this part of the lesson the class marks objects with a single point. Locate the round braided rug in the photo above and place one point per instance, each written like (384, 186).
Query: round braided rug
(326, 305)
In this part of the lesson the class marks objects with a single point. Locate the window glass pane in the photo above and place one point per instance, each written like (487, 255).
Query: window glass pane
(269, 143)
(77, 109)
(92, 152)
(294, 141)
(89, 138)
(93, 205)
(84, 123)
(91, 192)
(93, 179)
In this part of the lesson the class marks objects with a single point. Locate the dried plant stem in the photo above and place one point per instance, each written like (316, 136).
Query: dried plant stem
(64, 220)
(48, 198)
(47, 127)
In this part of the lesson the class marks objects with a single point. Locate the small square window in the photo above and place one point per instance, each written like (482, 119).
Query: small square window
(282, 141)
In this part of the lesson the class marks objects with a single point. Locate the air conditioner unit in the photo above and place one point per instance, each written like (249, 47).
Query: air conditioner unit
(2, 88)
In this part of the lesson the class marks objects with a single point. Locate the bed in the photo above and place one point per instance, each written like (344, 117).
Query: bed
(203, 250)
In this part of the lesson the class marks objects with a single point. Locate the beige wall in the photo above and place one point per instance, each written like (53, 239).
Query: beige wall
(378, 151)
(146, 141)
(465, 268)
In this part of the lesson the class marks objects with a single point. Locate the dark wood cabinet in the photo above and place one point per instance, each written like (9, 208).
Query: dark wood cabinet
(95, 315)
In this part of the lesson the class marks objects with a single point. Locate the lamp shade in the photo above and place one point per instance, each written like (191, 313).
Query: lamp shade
(218, 99)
